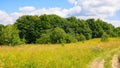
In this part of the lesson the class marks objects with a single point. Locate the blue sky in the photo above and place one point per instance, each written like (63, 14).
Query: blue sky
(12, 6)
(107, 10)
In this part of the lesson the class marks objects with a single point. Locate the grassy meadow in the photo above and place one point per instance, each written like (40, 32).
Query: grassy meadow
(73, 55)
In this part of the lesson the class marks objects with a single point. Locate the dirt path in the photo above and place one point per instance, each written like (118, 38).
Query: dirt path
(115, 62)
(97, 64)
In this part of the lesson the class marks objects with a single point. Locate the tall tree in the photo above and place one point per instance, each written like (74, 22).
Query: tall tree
(78, 26)
(1, 27)
(108, 28)
(117, 31)
(97, 30)
(26, 25)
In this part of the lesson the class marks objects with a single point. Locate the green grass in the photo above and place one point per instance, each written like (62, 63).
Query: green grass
(74, 55)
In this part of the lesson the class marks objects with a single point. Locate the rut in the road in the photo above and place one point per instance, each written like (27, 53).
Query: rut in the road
(97, 64)
(115, 62)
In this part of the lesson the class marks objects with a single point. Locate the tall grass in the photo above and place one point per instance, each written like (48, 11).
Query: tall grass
(74, 55)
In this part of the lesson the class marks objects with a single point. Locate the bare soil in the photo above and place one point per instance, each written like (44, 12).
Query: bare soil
(115, 62)
(97, 64)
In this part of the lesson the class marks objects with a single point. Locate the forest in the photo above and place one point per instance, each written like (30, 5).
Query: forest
(53, 29)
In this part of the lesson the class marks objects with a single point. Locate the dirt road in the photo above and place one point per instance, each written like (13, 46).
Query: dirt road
(97, 64)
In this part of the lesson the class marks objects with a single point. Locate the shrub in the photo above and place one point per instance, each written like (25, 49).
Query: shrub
(70, 38)
(80, 37)
(10, 36)
(58, 35)
(44, 39)
(104, 37)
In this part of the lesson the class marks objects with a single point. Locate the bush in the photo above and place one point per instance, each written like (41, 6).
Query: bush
(44, 39)
(80, 37)
(70, 38)
(104, 37)
(10, 36)
(58, 35)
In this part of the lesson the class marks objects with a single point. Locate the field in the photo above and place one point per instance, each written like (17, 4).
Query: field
(73, 55)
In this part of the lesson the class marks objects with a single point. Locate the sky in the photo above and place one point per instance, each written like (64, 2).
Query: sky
(107, 10)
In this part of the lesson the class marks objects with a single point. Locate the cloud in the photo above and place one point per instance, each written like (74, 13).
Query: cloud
(5, 18)
(72, 1)
(114, 22)
(100, 8)
(89, 17)
(58, 11)
(27, 8)
(82, 9)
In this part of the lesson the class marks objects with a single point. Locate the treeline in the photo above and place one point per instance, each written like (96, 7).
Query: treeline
(53, 29)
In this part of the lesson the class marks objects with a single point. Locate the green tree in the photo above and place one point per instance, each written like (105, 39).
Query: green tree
(27, 27)
(83, 28)
(97, 30)
(78, 26)
(44, 39)
(58, 35)
(10, 36)
(117, 31)
(62, 30)
(105, 37)
(1, 27)
(70, 38)
(32, 27)
(108, 28)
(80, 37)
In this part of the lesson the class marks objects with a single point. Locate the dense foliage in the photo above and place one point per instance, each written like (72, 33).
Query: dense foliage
(10, 35)
(47, 29)
(104, 37)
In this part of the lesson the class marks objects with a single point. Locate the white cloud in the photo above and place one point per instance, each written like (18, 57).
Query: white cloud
(100, 8)
(5, 18)
(89, 17)
(75, 9)
(57, 11)
(88, 8)
(114, 22)
(27, 9)
(72, 1)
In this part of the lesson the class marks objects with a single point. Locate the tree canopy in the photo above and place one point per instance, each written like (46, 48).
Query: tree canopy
(46, 29)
